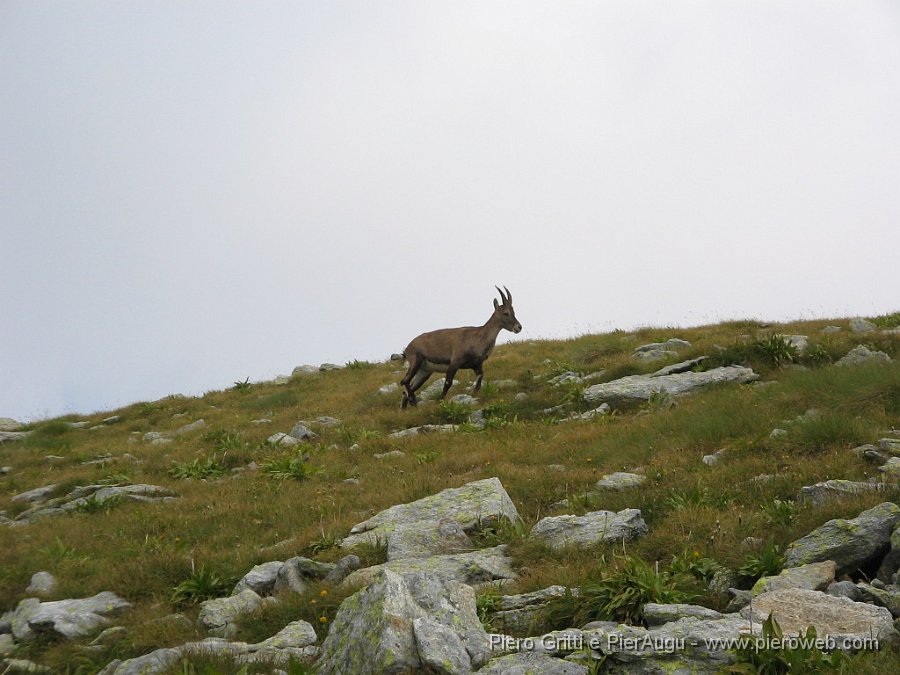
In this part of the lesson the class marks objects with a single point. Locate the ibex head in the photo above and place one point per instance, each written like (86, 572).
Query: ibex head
(505, 313)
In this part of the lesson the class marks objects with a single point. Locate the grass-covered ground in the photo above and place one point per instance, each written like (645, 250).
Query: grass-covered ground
(229, 521)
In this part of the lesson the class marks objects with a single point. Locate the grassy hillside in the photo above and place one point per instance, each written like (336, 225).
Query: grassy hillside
(302, 504)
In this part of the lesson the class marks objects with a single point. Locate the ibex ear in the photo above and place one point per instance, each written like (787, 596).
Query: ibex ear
(496, 305)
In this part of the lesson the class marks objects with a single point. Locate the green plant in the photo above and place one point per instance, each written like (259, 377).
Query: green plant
(486, 604)
(356, 364)
(887, 320)
(202, 584)
(620, 593)
(322, 543)
(776, 349)
(286, 467)
(223, 440)
(58, 551)
(696, 495)
(242, 386)
(699, 567)
(767, 563)
(427, 457)
(92, 504)
(208, 468)
(450, 412)
(779, 512)
(772, 654)
(817, 355)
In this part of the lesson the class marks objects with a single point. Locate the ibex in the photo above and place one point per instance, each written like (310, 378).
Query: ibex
(449, 349)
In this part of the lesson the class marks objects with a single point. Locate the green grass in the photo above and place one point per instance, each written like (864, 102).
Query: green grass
(698, 516)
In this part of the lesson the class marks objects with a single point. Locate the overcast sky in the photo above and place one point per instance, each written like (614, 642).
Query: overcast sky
(192, 193)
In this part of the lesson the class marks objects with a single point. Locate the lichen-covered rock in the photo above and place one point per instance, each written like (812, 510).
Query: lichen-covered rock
(814, 576)
(302, 433)
(218, 616)
(887, 597)
(851, 544)
(64, 619)
(890, 565)
(388, 627)
(682, 367)
(860, 325)
(589, 529)
(424, 429)
(475, 568)
(36, 495)
(419, 528)
(342, 568)
(641, 387)
(532, 663)
(796, 609)
(891, 468)
(518, 613)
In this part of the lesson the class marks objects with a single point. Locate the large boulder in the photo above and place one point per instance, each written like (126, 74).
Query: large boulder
(436, 524)
(260, 580)
(406, 623)
(848, 622)
(862, 355)
(64, 619)
(851, 544)
(635, 388)
(589, 529)
(835, 489)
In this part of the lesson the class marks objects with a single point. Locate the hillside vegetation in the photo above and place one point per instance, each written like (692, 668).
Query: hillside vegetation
(242, 501)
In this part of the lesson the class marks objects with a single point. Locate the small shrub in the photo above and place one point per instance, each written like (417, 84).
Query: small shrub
(359, 365)
(208, 468)
(695, 496)
(770, 654)
(486, 604)
(293, 467)
(242, 387)
(887, 320)
(450, 412)
(621, 593)
(766, 563)
(699, 567)
(776, 350)
(323, 543)
(202, 584)
(427, 457)
(779, 512)
(817, 355)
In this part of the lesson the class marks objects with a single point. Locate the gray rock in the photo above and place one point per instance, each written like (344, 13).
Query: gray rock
(671, 343)
(600, 411)
(36, 495)
(9, 424)
(851, 544)
(681, 367)
(7, 644)
(471, 507)
(391, 388)
(343, 567)
(739, 600)
(862, 355)
(796, 609)
(433, 390)
(193, 426)
(4, 470)
(828, 330)
(297, 634)
(891, 562)
(798, 342)
(64, 619)
(300, 371)
(641, 387)
(388, 455)
(887, 597)
(406, 623)
(464, 399)
(656, 614)
(302, 432)
(814, 576)
(891, 468)
(14, 666)
(112, 419)
(889, 445)
(42, 583)
(325, 367)
(518, 613)
(260, 579)
(283, 439)
(294, 574)
(589, 529)
(715, 458)
(655, 354)
(155, 438)
(424, 429)
(532, 663)
(475, 568)
(327, 421)
(844, 589)
(860, 325)
(821, 493)
(620, 481)
(778, 433)
(218, 616)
